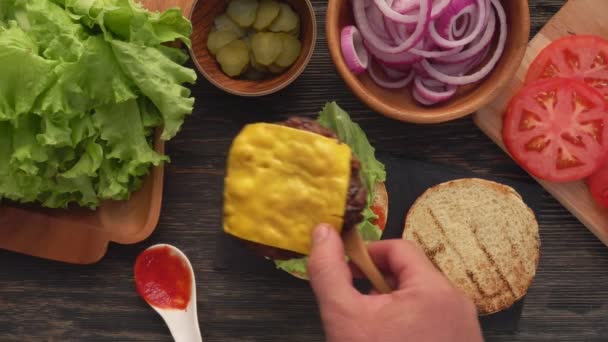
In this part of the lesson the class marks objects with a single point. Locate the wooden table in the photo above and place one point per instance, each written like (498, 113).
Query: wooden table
(47, 301)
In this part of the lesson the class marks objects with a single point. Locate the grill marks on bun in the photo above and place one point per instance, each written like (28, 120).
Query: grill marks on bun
(482, 236)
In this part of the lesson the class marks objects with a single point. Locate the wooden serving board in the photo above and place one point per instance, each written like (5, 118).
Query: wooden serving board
(576, 17)
(82, 236)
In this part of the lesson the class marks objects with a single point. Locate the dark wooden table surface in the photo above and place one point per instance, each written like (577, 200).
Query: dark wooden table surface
(48, 301)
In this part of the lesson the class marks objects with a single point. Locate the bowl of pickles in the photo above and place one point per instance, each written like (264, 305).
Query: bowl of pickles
(252, 47)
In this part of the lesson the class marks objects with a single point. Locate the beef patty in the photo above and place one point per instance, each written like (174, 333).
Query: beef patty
(356, 199)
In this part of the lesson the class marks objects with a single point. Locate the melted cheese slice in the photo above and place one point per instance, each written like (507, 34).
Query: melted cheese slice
(281, 182)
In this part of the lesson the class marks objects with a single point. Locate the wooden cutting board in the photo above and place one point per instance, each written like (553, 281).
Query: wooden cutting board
(81, 236)
(576, 17)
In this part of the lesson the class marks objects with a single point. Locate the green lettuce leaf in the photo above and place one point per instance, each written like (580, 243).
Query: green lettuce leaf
(130, 22)
(27, 151)
(95, 79)
(372, 172)
(369, 231)
(336, 119)
(6, 151)
(122, 129)
(159, 79)
(25, 74)
(88, 164)
(55, 131)
(85, 84)
(293, 266)
(56, 33)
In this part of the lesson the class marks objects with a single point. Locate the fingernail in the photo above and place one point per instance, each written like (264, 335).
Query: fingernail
(320, 233)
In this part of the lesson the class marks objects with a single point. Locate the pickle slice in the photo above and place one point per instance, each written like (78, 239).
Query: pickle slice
(255, 65)
(266, 47)
(254, 75)
(223, 23)
(247, 40)
(267, 12)
(275, 69)
(218, 39)
(243, 12)
(291, 50)
(296, 32)
(286, 21)
(234, 58)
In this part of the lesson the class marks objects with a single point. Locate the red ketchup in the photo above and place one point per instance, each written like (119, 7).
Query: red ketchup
(163, 278)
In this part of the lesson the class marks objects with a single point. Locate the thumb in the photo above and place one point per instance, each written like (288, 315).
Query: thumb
(328, 272)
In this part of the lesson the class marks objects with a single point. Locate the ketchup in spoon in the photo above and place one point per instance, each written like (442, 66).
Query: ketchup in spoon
(165, 280)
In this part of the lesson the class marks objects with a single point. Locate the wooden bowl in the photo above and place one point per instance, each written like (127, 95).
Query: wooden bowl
(399, 104)
(203, 14)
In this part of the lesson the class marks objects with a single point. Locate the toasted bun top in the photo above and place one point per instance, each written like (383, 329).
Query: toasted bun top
(281, 182)
(482, 236)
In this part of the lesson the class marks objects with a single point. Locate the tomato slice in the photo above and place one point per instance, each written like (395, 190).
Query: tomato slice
(583, 58)
(557, 129)
(380, 205)
(598, 185)
(381, 220)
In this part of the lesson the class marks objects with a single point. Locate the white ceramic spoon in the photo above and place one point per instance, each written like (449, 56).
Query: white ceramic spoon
(183, 324)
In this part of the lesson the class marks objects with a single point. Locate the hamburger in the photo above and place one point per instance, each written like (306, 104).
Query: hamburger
(284, 178)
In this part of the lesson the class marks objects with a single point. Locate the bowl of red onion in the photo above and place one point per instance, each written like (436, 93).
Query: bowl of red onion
(427, 61)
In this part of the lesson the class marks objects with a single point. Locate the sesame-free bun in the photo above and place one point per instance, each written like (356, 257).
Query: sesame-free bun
(482, 236)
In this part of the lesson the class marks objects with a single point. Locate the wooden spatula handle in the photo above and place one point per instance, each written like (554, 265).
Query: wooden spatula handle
(357, 251)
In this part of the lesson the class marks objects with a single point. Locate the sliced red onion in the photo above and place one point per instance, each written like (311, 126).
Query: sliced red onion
(370, 37)
(396, 66)
(486, 69)
(437, 53)
(449, 44)
(376, 22)
(438, 7)
(435, 43)
(476, 47)
(404, 6)
(401, 61)
(384, 82)
(399, 32)
(393, 31)
(394, 74)
(405, 30)
(355, 54)
(456, 9)
(422, 100)
(420, 70)
(395, 16)
(432, 90)
(459, 69)
(460, 28)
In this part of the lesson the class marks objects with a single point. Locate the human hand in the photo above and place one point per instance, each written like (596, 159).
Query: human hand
(423, 307)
